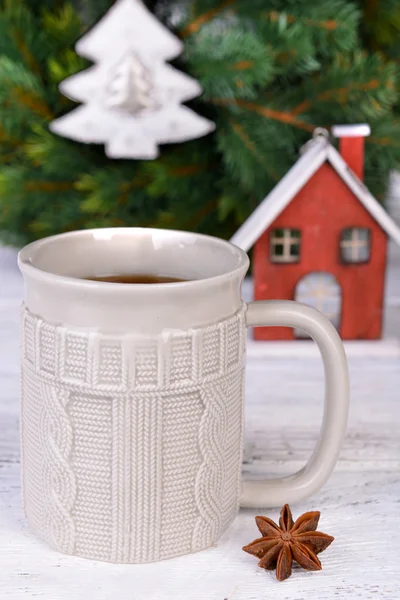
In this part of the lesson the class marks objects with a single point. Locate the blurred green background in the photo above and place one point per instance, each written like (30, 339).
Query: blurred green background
(271, 70)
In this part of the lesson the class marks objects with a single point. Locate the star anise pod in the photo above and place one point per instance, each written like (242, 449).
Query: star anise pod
(298, 541)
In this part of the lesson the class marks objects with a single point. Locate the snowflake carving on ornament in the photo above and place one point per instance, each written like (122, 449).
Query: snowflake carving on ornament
(131, 98)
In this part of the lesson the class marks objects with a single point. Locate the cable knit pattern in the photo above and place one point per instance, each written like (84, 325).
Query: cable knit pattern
(58, 474)
(131, 446)
(210, 480)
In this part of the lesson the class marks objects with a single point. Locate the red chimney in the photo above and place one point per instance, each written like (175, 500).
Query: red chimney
(351, 145)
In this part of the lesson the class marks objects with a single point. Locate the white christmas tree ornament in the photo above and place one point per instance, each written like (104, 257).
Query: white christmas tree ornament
(132, 99)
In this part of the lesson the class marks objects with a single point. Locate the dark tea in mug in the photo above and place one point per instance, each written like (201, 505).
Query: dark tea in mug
(136, 278)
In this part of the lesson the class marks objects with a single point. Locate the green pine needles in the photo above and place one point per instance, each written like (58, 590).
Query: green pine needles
(272, 71)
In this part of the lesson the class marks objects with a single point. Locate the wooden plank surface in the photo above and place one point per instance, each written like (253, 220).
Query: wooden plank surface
(360, 504)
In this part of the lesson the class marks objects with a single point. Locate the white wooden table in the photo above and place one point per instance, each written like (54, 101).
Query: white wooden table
(360, 504)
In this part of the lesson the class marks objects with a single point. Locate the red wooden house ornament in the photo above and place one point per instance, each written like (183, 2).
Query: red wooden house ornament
(320, 237)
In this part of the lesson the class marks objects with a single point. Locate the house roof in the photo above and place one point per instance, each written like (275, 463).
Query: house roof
(314, 154)
(359, 130)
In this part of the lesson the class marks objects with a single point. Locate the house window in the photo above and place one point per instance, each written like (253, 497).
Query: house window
(321, 291)
(285, 245)
(355, 245)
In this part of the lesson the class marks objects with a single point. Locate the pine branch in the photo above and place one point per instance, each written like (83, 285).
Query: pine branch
(239, 65)
(341, 95)
(48, 186)
(201, 214)
(25, 52)
(201, 19)
(33, 102)
(286, 117)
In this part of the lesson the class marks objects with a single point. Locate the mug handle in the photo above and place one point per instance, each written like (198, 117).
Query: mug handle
(276, 492)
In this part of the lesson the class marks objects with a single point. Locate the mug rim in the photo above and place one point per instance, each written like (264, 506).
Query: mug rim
(27, 266)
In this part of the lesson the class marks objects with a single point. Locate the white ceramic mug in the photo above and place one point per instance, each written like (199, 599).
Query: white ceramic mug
(132, 395)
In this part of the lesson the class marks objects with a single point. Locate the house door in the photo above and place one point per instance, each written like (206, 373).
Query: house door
(321, 291)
